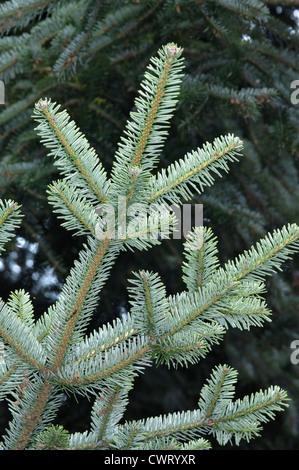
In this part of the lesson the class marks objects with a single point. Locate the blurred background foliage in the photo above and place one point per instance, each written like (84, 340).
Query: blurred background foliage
(90, 56)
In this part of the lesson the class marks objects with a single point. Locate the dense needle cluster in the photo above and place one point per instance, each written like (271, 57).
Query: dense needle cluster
(54, 355)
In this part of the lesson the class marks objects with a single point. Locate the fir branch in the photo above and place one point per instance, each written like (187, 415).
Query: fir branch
(149, 305)
(78, 297)
(72, 153)
(282, 2)
(30, 420)
(20, 337)
(216, 300)
(218, 390)
(240, 419)
(20, 303)
(146, 132)
(32, 413)
(103, 340)
(267, 256)
(10, 218)
(74, 209)
(107, 411)
(53, 438)
(119, 367)
(71, 54)
(54, 354)
(19, 13)
(12, 372)
(201, 258)
(248, 8)
(243, 417)
(187, 347)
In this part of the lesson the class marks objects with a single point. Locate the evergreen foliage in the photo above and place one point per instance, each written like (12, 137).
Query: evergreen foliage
(56, 354)
(241, 58)
(238, 72)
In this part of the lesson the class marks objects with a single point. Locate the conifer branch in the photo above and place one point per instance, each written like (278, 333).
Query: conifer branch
(10, 375)
(120, 367)
(74, 209)
(70, 55)
(243, 416)
(268, 254)
(69, 316)
(20, 338)
(34, 415)
(282, 2)
(216, 296)
(149, 305)
(20, 13)
(53, 438)
(107, 412)
(247, 8)
(10, 218)
(201, 258)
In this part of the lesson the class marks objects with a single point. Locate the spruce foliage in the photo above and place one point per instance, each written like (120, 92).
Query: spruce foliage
(56, 354)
